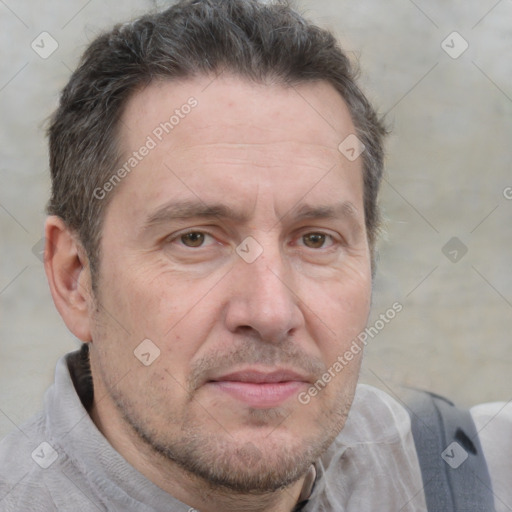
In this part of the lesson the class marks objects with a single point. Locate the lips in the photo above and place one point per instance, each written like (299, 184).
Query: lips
(260, 389)
(261, 377)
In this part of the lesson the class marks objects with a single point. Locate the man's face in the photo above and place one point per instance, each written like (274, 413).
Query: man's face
(238, 247)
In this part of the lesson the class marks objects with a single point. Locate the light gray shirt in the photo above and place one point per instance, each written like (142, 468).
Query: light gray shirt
(59, 461)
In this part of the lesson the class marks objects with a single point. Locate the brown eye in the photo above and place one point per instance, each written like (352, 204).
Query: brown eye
(314, 240)
(194, 239)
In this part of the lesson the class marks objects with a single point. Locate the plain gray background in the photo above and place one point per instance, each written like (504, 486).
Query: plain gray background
(448, 176)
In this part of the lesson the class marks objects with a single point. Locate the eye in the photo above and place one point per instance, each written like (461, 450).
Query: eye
(194, 238)
(316, 240)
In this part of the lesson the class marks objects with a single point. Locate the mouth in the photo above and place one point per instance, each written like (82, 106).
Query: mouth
(260, 389)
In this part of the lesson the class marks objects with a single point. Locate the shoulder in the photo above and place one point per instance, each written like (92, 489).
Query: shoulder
(34, 467)
(375, 450)
(20, 473)
(493, 416)
(494, 425)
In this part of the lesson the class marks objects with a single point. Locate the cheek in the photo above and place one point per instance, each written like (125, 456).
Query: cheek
(147, 301)
(175, 313)
(341, 313)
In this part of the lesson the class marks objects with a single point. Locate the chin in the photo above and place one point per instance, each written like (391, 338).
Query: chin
(248, 467)
(250, 459)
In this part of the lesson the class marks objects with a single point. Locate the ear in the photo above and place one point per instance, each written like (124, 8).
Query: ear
(67, 269)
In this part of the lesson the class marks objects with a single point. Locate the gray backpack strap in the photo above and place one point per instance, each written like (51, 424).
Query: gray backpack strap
(453, 466)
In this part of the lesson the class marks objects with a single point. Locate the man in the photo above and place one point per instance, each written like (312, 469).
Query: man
(212, 227)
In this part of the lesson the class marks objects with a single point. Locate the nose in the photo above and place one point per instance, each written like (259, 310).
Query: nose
(264, 299)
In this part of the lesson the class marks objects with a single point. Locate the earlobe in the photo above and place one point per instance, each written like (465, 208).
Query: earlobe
(68, 273)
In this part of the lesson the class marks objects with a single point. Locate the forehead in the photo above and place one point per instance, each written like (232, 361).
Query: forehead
(248, 112)
(225, 135)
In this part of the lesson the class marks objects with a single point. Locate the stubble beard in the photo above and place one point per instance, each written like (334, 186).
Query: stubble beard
(225, 464)
(189, 438)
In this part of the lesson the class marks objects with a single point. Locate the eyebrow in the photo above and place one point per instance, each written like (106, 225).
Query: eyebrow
(182, 210)
(188, 209)
(344, 209)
